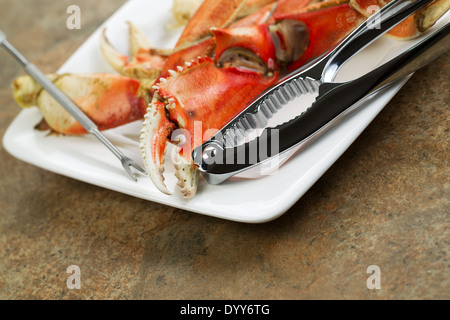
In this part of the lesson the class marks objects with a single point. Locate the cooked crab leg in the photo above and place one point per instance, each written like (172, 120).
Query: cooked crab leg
(108, 100)
(218, 14)
(146, 63)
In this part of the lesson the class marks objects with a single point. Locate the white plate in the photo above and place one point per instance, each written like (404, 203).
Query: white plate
(244, 200)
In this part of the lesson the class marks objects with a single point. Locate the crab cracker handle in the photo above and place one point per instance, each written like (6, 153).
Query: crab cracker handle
(325, 68)
(341, 97)
(326, 112)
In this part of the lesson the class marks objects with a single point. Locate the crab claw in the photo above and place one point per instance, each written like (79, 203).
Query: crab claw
(144, 63)
(187, 175)
(155, 130)
(200, 97)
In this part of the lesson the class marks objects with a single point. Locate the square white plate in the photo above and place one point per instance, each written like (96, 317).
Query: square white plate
(241, 199)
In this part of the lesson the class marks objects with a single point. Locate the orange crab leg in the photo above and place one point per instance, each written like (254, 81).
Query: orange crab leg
(200, 94)
(223, 93)
(197, 38)
(225, 85)
(204, 28)
(110, 101)
(218, 14)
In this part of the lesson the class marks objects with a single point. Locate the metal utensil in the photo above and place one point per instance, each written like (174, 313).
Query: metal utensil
(70, 106)
(223, 156)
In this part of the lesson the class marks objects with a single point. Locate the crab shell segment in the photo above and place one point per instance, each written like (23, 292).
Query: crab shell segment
(198, 98)
(253, 40)
(327, 24)
(180, 57)
(292, 6)
(220, 14)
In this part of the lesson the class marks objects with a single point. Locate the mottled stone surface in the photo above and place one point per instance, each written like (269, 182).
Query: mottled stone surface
(385, 202)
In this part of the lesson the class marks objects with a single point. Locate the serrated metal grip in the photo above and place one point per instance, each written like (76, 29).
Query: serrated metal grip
(267, 108)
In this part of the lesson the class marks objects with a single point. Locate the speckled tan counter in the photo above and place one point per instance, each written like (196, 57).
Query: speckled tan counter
(385, 202)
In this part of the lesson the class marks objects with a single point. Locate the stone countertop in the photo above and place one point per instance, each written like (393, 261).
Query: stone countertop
(385, 202)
